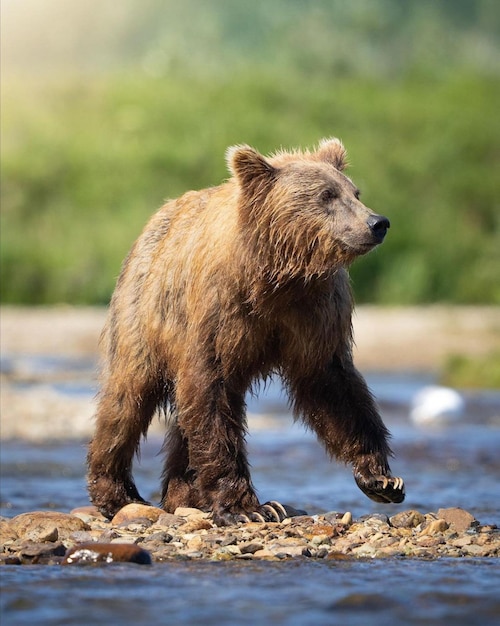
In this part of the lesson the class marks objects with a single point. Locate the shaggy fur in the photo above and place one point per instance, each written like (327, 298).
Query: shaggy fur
(225, 287)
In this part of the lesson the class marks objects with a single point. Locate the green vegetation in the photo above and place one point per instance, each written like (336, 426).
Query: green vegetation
(466, 373)
(87, 158)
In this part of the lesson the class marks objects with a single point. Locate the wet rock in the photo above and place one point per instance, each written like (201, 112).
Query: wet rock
(407, 519)
(184, 511)
(38, 525)
(458, 518)
(251, 548)
(97, 553)
(139, 525)
(44, 533)
(7, 559)
(160, 536)
(462, 541)
(346, 518)
(134, 511)
(195, 523)
(194, 536)
(436, 526)
(375, 518)
(7, 532)
(81, 536)
(265, 553)
(88, 513)
(35, 553)
(170, 520)
(229, 540)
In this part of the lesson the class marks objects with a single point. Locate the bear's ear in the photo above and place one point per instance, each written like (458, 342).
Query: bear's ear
(249, 167)
(332, 151)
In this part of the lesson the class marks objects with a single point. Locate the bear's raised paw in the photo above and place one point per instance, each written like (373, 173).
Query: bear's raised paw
(384, 489)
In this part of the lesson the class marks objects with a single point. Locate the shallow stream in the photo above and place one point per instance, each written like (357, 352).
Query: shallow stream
(455, 465)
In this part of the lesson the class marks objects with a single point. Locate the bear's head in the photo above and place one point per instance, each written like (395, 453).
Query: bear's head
(300, 212)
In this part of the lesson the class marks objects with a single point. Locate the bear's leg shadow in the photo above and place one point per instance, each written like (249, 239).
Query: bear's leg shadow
(338, 406)
(124, 414)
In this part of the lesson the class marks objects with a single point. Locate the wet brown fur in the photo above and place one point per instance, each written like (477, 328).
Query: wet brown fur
(225, 287)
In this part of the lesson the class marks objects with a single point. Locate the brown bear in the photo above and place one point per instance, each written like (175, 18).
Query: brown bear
(225, 287)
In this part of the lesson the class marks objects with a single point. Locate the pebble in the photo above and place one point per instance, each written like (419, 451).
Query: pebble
(459, 519)
(407, 519)
(136, 511)
(142, 533)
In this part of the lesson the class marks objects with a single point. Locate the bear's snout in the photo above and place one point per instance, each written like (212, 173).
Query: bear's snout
(378, 225)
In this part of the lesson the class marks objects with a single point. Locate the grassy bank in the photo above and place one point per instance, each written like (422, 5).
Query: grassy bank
(85, 163)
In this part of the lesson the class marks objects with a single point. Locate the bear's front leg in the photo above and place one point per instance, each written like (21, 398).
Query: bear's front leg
(215, 473)
(336, 403)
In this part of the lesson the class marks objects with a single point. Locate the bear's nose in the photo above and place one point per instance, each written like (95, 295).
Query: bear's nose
(378, 225)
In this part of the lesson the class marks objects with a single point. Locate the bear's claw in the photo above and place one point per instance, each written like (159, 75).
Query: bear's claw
(271, 511)
(382, 488)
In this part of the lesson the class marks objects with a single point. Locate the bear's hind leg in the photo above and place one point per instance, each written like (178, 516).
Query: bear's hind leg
(212, 422)
(122, 417)
(178, 481)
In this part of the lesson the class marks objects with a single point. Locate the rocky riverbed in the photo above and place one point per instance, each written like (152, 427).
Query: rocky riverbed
(145, 534)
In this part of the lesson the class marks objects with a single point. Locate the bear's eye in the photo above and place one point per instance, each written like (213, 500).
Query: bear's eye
(327, 195)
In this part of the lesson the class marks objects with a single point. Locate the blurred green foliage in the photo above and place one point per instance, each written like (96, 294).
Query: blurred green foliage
(93, 144)
(465, 372)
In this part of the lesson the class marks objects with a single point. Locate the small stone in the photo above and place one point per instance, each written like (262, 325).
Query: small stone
(7, 533)
(42, 550)
(321, 552)
(376, 518)
(333, 517)
(92, 553)
(458, 518)
(320, 529)
(196, 523)
(462, 541)
(81, 536)
(320, 539)
(475, 550)
(194, 555)
(365, 550)
(7, 559)
(251, 548)
(160, 537)
(436, 526)
(195, 543)
(43, 533)
(88, 513)
(429, 542)
(138, 526)
(265, 553)
(184, 511)
(346, 518)
(124, 540)
(134, 511)
(170, 520)
(43, 522)
(291, 551)
(229, 540)
(230, 550)
(407, 519)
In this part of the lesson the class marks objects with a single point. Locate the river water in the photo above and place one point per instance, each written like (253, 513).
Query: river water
(455, 465)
